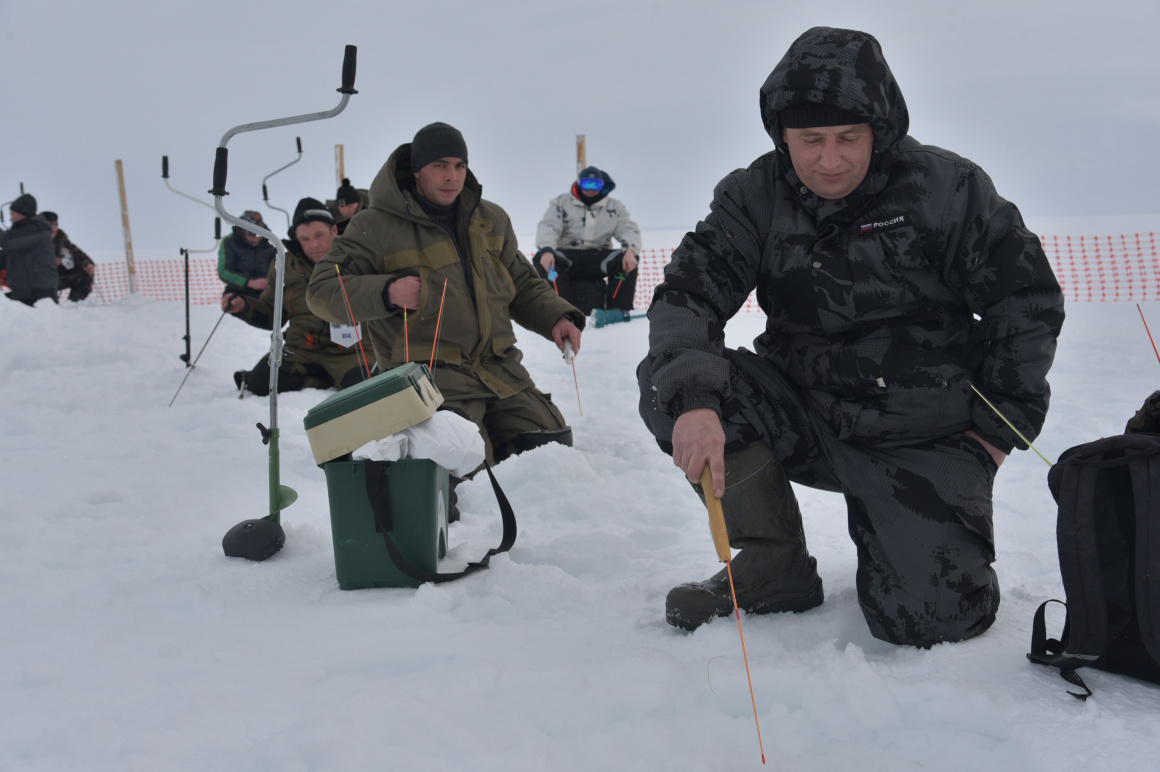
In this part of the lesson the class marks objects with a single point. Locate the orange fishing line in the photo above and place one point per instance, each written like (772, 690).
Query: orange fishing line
(438, 321)
(357, 337)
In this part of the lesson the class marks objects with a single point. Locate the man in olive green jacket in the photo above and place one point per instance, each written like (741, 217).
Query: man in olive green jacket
(311, 357)
(428, 228)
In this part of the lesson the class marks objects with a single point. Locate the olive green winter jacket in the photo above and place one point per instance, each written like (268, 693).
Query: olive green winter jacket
(476, 353)
(307, 339)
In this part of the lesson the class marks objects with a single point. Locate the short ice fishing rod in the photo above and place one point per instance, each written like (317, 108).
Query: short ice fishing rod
(266, 194)
(251, 539)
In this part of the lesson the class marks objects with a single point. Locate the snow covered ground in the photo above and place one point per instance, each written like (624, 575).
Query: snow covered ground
(131, 643)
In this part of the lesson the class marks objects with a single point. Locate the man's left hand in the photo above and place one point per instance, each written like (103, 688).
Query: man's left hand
(996, 454)
(629, 261)
(565, 330)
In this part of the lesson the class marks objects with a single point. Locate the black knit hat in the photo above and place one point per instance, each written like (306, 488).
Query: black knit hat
(24, 204)
(346, 194)
(435, 141)
(311, 210)
(812, 115)
(50, 216)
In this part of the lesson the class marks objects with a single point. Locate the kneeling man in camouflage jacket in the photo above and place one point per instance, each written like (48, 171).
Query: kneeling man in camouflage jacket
(894, 279)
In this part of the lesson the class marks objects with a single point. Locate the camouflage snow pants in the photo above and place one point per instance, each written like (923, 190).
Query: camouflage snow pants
(920, 515)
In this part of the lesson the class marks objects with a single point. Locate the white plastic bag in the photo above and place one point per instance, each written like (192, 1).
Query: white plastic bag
(446, 438)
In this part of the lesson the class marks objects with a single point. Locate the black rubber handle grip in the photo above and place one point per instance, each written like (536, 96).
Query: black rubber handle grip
(265, 195)
(349, 62)
(164, 167)
(299, 140)
(220, 164)
(217, 228)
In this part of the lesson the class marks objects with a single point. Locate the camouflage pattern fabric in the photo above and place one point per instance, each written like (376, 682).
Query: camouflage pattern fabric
(883, 310)
(920, 514)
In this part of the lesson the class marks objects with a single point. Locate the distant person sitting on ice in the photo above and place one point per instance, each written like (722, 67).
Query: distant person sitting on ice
(26, 253)
(574, 238)
(311, 359)
(75, 268)
(894, 280)
(348, 201)
(244, 259)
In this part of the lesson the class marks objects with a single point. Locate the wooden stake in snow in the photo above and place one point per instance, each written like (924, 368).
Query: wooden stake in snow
(581, 153)
(339, 166)
(132, 267)
(721, 542)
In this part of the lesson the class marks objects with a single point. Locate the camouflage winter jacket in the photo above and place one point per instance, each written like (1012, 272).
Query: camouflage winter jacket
(73, 262)
(883, 308)
(476, 352)
(574, 223)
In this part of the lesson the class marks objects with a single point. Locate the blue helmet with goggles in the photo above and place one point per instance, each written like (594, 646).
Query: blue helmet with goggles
(593, 180)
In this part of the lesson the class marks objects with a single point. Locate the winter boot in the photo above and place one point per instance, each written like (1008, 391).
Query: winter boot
(773, 571)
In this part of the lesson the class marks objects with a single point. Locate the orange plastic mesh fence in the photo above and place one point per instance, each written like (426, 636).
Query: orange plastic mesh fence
(1089, 268)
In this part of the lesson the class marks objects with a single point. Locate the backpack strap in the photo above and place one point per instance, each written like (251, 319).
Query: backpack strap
(1146, 492)
(1049, 651)
(1079, 560)
(379, 494)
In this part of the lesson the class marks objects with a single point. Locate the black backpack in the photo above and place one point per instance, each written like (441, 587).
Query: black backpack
(1108, 534)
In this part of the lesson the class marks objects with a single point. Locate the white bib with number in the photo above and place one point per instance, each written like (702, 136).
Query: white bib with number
(344, 334)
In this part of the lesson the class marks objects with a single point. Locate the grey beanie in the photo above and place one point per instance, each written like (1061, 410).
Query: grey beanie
(435, 141)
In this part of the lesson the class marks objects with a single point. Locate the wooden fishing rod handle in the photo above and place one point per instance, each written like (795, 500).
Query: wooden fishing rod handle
(716, 517)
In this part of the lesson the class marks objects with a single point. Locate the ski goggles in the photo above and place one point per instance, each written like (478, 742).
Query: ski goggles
(592, 184)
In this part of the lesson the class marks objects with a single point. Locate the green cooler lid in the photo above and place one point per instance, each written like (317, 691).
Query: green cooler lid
(366, 392)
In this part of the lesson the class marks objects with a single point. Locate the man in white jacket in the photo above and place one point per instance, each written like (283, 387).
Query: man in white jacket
(574, 245)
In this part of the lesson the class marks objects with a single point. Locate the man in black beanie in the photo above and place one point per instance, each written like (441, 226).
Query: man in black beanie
(318, 354)
(895, 281)
(429, 229)
(348, 201)
(27, 254)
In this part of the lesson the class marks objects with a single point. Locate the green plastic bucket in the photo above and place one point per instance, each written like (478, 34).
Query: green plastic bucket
(418, 491)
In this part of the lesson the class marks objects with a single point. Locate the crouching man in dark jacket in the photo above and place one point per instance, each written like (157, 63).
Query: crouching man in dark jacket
(894, 279)
(27, 254)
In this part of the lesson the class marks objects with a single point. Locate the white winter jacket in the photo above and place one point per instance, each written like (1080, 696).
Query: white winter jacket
(569, 224)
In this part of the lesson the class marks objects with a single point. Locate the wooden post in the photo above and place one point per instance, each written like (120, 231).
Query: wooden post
(339, 166)
(581, 153)
(125, 229)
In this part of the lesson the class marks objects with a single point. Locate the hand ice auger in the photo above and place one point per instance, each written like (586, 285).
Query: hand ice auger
(266, 193)
(253, 539)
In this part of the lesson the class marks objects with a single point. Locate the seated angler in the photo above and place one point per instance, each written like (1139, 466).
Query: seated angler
(312, 358)
(575, 238)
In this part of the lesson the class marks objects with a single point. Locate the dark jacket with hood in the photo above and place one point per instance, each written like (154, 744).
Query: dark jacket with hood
(27, 254)
(239, 262)
(884, 307)
(476, 353)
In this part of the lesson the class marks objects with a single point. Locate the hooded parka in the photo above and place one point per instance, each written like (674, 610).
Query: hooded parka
(394, 237)
(884, 307)
(575, 222)
(27, 253)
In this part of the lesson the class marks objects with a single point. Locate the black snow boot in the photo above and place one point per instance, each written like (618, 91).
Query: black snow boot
(773, 571)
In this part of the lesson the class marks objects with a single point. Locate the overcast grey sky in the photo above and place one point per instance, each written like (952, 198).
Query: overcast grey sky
(1058, 101)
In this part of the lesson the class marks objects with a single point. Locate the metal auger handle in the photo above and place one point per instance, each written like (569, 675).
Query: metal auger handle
(349, 62)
